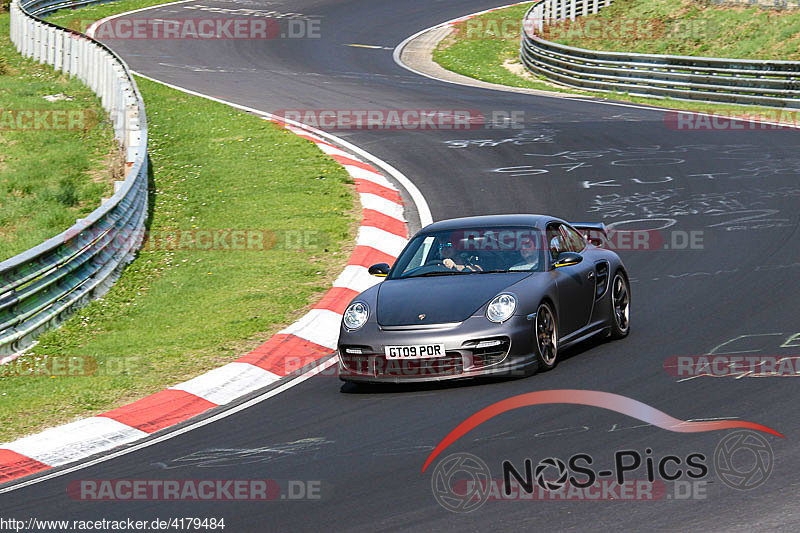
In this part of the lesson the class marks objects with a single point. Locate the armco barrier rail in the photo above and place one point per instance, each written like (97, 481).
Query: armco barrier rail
(40, 287)
(736, 81)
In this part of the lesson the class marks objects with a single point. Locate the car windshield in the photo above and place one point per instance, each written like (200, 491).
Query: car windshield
(482, 250)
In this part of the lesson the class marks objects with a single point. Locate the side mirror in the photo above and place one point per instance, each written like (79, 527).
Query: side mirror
(568, 259)
(381, 270)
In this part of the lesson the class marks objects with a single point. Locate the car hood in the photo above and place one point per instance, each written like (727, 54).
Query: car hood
(440, 298)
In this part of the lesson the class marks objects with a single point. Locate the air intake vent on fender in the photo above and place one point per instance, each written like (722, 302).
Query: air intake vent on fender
(601, 268)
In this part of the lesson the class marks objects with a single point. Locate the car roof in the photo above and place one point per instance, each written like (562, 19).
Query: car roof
(536, 221)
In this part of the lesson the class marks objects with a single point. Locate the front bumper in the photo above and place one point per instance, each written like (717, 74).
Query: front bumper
(508, 350)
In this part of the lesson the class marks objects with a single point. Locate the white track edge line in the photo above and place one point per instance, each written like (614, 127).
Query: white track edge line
(90, 31)
(136, 447)
(423, 210)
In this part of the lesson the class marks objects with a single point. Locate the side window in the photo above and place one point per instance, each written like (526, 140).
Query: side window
(555, 241)
(574, 240)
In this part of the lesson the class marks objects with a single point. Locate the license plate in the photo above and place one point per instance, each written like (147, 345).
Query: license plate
(415, 351)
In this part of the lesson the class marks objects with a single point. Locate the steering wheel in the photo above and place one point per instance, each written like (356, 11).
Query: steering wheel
(435, 262)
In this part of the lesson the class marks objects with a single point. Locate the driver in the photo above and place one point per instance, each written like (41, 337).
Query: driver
(452, 261)
(529, 256)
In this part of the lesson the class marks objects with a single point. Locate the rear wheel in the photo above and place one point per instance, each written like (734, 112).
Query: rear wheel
(546, 332)
(620, 306)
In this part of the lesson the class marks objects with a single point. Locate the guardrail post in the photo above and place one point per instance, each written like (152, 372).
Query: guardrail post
(42, 43)
(101, 79)
(30, 37)
(86, 63)
(45, 44)
(30, 26)
(573, 10)
(67, 53)
(77, 57)
(76, 52)
(12, 27)
(67, 48)
(538, 18)
(99, 55)
(132, 132)
(22, 29)
(51, 45)
(95, 61)
(90, 64)
(23, 36)
(36, 38)
(116, 119)
(109, 90)
(58, 62)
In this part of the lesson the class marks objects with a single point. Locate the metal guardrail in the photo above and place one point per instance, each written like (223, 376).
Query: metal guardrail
(707, 79)
(46, 7)
(40, 287)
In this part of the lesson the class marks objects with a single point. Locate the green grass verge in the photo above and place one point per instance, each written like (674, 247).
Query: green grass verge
(487, 48)
(686, 27)
(48, 176)
(176, 313)
(80, 19)
(480, 47)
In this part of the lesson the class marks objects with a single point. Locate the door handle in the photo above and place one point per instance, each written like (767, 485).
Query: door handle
(590, 275)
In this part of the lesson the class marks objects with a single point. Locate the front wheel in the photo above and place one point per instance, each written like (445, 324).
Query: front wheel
(546, 331)
(620, 306)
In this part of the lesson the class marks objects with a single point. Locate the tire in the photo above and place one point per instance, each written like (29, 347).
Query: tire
(620, 302)
(545, 336)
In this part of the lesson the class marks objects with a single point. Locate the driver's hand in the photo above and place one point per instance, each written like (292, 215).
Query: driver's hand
(449, 263)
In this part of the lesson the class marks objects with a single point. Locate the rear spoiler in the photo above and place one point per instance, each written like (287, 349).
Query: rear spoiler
(594, 232)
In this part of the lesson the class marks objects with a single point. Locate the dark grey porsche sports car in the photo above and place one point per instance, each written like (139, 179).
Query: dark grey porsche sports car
(489, 295)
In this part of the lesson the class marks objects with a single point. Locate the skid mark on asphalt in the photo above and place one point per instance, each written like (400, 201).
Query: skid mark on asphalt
(225, 457)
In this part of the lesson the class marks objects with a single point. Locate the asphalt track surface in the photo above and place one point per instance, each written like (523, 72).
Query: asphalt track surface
(367, 447)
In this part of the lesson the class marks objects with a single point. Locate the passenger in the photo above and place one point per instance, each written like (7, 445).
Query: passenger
(529, 257)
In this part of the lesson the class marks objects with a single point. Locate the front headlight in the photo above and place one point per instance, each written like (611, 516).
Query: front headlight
(355, 315)
(501, 308)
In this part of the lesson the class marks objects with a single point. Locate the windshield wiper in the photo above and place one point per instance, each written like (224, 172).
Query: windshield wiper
(494, 271)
